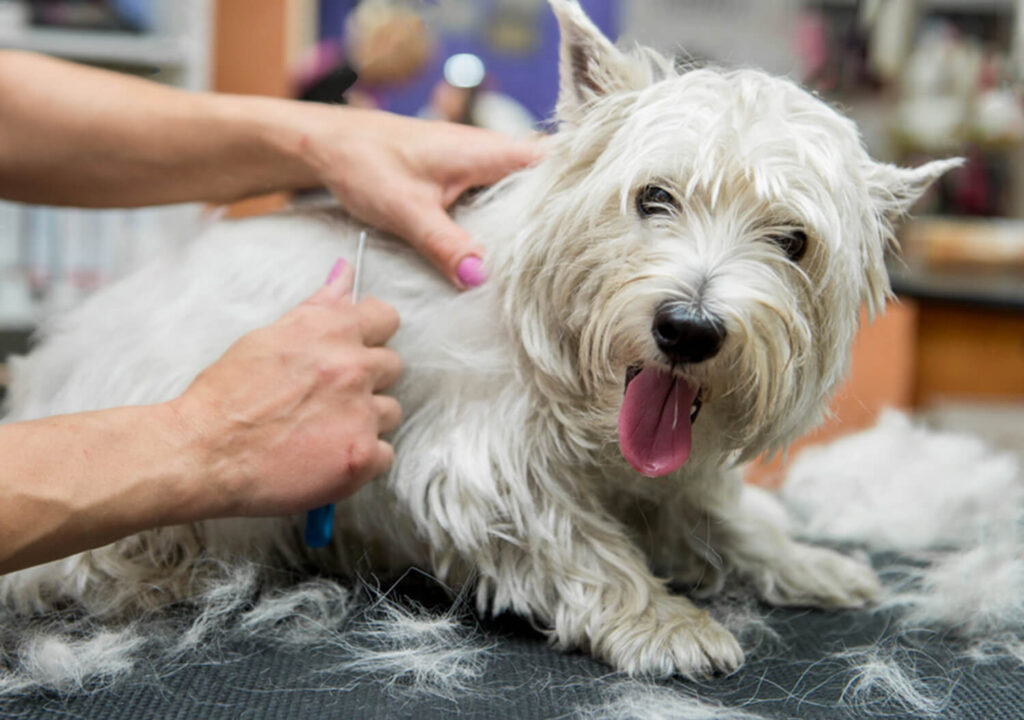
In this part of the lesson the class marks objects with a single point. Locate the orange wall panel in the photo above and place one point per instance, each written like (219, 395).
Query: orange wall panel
(251, 58)
(969, 352)
(250, 51)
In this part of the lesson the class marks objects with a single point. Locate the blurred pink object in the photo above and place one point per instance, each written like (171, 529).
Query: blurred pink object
(810, 40)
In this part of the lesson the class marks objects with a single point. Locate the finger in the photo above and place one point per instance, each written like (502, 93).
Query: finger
(386, 367)
(429, 229)
(487, 164)
(498, 159)
(379, 458)
(385, 457)
(389, 413)
(338, 285)
(378, 321)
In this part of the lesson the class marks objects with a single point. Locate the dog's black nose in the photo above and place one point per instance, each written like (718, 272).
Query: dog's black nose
(685, 336)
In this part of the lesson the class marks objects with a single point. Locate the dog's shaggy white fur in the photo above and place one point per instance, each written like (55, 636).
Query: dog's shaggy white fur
(737, 203)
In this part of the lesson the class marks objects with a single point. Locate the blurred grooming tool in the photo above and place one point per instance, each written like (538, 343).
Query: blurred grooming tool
(320, 521)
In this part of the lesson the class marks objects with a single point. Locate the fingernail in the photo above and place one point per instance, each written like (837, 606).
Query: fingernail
(336, 271)
(471, 271)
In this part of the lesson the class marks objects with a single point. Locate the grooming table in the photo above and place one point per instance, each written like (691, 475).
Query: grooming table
(795, 677)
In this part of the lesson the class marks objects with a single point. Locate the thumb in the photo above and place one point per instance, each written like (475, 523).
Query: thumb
(338, 285)
(447, 246)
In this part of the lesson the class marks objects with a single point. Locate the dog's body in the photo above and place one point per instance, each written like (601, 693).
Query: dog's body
(736, 205)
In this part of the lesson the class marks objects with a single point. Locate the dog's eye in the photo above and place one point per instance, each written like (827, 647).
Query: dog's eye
(794, 244)
(654, 200)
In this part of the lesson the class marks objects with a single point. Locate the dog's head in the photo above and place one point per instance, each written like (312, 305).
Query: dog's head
(704, 239)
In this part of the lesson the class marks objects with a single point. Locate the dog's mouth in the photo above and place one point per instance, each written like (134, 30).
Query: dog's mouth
(655, 429)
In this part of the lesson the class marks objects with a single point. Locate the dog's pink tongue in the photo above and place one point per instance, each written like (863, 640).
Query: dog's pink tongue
(654, 422)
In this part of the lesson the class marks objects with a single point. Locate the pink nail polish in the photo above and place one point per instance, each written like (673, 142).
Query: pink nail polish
(336, 271)
(471, 271)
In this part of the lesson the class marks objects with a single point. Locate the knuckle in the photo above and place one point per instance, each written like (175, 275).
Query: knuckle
(361, 455)
(327, 372)
(356, 374)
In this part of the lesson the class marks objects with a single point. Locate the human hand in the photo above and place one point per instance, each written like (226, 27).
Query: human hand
(290, 418)
(402, 174)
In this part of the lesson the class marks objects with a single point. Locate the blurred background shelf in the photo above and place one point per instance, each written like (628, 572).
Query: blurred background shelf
(171, 42)
(102, 47)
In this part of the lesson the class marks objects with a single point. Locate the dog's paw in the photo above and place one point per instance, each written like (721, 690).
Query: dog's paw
(671, 638)
(818, 577)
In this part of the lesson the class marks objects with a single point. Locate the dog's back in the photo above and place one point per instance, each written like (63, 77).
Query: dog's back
(144, 339)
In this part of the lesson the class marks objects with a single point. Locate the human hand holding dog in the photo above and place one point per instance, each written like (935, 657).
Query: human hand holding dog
(287, 419)
(401, 174)
(109, 140)
(290, 416)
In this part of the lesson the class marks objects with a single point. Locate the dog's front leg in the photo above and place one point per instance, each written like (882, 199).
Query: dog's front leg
(746, 533)
(572, 567)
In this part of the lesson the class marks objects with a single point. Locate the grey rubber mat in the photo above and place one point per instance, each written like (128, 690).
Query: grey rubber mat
(795, 677)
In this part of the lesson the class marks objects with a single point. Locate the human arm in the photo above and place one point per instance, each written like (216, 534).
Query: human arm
(288, 419)
(74, 135)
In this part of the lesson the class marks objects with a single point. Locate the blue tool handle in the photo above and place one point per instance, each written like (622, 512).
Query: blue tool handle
(319, 526)
(320, 522)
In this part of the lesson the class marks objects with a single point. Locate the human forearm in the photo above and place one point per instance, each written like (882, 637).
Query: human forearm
(79, 136)
(74, 482)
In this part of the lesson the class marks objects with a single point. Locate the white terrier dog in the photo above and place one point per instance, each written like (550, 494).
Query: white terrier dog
(703, 239)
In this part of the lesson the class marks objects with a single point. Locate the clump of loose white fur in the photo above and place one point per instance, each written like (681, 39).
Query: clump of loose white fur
(886, 677)
(737, 608)
(946, 499)
(904, 487)
(419, 652)
(301, 615)
(219, 604)
(977, 594)
(414, 649)
(64, 663)
(647, 701)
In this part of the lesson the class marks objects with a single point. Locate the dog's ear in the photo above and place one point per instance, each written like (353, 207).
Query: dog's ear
(590, 65)
(895, 189)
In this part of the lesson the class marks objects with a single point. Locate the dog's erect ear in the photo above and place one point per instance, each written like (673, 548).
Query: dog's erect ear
(590, 65)
(895, 189)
